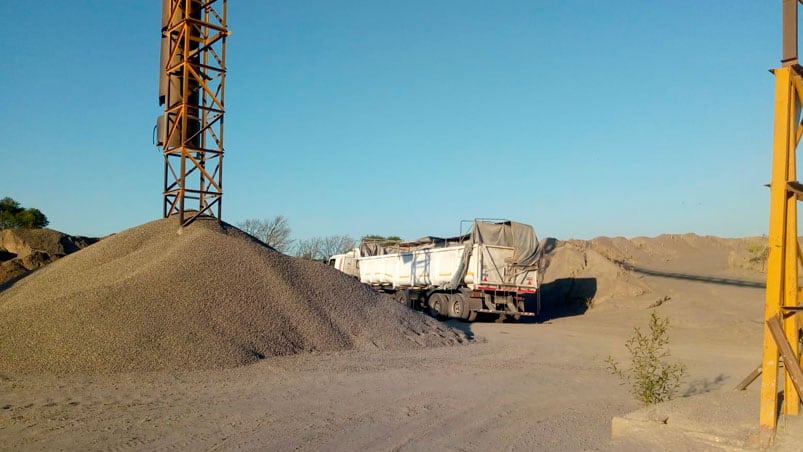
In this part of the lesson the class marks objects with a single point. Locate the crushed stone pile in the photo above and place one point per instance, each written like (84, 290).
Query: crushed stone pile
(25, 250)
(208, 296)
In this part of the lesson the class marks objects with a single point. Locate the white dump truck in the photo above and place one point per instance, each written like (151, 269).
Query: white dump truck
(490, 270)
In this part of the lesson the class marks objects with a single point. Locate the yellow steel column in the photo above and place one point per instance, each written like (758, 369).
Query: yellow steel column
(777, 240)
(791, 299)
(791, 399)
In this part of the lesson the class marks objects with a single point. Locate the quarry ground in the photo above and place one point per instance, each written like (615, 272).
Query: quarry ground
(518, 386)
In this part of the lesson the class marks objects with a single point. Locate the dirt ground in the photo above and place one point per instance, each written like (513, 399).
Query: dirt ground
(539, 385)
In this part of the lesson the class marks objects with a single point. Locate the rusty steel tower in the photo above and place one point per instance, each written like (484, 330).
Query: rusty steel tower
(191, 87)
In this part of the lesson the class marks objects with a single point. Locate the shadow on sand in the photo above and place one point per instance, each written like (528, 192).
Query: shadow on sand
(563, 297)
(689, 277)
(12, 281)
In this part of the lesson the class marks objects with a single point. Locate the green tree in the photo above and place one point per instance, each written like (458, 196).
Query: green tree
(9, 209)
(13, 215)
(32, 219)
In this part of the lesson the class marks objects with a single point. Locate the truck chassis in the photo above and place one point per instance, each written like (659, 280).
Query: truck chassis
(463, 304)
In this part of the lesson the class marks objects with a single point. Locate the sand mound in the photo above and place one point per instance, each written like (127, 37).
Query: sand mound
(24, 241)
(150, 299)
(578, 272)
(615, 267)
(25, 250)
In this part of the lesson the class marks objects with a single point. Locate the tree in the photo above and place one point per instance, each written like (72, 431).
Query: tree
(275, 232)
(9, 209)
(32, 218)
(12, 215)
(336, 244)
(310, 248)
(322, 248)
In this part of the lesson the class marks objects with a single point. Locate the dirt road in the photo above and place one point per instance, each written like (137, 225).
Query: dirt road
(518, 387)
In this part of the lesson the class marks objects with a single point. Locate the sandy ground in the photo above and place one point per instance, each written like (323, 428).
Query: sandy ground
(526, 386)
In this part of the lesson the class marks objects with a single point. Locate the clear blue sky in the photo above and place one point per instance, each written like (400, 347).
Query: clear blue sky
(402, 118)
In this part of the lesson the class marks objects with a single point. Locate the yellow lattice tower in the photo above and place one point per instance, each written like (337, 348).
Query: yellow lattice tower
(191, 82)
(783, 296)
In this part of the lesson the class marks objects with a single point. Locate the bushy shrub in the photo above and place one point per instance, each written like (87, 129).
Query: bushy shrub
(758, 253)
(651, 377)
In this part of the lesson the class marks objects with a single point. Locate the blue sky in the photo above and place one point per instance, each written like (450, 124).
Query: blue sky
(403, 118)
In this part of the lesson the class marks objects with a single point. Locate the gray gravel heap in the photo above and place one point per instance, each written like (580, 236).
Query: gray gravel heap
(203, 297)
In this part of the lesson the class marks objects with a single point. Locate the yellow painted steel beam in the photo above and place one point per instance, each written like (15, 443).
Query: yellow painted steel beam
(798, 89)
(791, 400)
(777, 248)
(791, 365)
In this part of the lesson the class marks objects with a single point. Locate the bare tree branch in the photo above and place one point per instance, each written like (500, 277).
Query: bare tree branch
(336, 244)
(275, 232)
(310, 249)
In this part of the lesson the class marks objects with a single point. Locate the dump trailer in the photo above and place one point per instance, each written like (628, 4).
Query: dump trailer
(489, 270)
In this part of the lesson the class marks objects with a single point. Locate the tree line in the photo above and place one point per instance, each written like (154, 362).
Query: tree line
(276, 233)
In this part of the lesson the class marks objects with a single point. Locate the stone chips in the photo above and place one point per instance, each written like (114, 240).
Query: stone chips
(206, 297)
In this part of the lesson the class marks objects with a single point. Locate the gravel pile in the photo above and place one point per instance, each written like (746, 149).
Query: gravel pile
(209, 296)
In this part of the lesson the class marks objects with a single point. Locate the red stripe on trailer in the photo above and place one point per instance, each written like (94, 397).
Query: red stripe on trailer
(499, 289)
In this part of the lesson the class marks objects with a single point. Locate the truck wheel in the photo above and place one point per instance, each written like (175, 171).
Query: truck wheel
(458, 307)
(401, 297)
(437, 303)
(472, 316)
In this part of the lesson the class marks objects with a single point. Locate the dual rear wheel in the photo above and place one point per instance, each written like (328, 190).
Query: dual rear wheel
(450, 305)
(438, 303)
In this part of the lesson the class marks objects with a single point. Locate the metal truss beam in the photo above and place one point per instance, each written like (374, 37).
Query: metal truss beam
(191, 88)
(783, 297)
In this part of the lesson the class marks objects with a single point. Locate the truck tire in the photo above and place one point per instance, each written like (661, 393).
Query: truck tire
(456, 306)
(459, 307)
(438, 303)
(402, 297)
